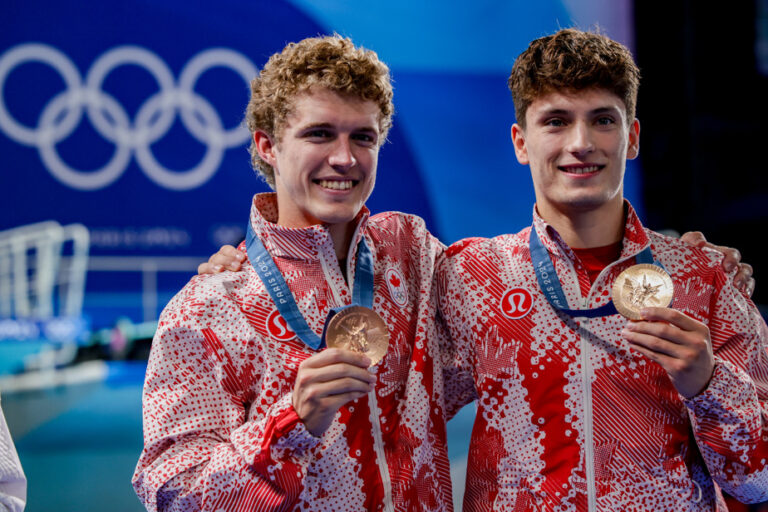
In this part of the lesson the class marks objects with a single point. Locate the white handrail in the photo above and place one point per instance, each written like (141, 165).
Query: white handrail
(31, 270)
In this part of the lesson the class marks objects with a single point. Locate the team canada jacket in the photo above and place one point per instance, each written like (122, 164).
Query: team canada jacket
(569, 417)
(220, 432)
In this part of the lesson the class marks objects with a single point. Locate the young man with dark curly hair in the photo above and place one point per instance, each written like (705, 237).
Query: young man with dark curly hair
(580, 408)
(244, 409)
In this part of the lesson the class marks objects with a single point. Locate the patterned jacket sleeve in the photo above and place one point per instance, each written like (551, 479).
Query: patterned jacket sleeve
(202, 451)
(454, 331)
(13, 483)
(730, 417)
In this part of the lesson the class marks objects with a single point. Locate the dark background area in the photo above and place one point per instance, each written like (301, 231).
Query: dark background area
(703, 113)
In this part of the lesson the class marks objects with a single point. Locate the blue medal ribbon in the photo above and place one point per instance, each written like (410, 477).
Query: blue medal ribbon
(274, 282)
(553, 290)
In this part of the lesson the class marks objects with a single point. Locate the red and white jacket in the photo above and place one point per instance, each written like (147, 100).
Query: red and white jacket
(569, 417)
(220, 432)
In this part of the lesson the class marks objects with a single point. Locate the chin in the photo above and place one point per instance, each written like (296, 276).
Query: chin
(337, 217)
(584, 203)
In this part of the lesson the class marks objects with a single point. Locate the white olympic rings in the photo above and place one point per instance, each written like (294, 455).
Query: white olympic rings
(64, 112)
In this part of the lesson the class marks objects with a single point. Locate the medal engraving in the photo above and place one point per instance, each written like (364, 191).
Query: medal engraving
(359, 329)
(641, 286)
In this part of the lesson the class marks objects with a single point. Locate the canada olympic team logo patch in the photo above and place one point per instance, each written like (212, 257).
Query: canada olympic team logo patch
(516, 303)
(277, 327)
(396, 285)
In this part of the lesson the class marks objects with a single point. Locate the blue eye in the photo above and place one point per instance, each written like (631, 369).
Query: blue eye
(555, 122)
(605, 120)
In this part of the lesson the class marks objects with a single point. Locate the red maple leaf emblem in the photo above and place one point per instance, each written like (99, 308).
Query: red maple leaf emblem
(394, 280)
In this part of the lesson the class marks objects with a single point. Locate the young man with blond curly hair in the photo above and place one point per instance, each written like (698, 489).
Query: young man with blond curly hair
(244, 409)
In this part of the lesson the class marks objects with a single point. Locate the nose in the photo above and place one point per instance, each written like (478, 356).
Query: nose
(580, 140)
(341, 156)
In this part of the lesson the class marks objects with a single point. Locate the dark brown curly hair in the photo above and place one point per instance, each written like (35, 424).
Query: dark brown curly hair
(330, 62)
(573, 60)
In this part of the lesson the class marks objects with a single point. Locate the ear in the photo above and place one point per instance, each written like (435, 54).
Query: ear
(518, 140)
(265, 146)
(633, 148)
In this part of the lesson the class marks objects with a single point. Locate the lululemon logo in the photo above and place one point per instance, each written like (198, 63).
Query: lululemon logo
(277, 327)
(516, 303)
(396, 285)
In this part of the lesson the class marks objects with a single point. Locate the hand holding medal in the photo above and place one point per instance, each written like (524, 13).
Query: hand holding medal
(677, 342)
(356, 338)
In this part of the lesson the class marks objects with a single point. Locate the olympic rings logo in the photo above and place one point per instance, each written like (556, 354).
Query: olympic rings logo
(63, 113)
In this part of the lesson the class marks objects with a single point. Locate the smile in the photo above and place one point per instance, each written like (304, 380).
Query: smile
(337, 184)
(580, 169)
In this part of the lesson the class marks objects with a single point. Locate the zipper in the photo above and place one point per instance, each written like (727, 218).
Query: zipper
(378, 445)
(589, 446)
(331, 282)
(378, 438)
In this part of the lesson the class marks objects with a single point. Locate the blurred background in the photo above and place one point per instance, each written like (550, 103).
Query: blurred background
(124, 165)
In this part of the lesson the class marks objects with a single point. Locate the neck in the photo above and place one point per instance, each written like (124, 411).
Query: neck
(589, 228)
(341, 234)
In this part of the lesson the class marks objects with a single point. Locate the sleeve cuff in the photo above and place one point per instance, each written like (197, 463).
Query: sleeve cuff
(729, 391)
(280, 434)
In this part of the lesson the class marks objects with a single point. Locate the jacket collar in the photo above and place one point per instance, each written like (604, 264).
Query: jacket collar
(295, 243)
(635, 237)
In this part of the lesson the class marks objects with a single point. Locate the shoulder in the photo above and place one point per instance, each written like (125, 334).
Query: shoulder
(206, 297)
(386, 222)
(478, 246)
(680, 257)
(404, 231)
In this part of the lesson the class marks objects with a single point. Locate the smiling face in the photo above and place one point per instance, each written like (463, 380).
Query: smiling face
(577, 145)
(325, 161)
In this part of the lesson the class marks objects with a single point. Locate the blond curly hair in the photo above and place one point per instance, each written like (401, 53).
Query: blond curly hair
(330, 62)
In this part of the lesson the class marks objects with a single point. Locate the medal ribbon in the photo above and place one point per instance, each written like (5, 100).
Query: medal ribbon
(274, 282)
(553, 290)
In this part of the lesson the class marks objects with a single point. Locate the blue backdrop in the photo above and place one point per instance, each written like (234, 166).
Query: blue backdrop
(124, 116)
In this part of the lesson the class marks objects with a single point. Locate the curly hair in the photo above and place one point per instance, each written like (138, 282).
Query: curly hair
(573, 60)
(330, 62)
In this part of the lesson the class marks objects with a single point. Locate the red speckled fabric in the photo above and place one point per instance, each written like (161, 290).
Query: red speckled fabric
(567, 409)
(220, 432)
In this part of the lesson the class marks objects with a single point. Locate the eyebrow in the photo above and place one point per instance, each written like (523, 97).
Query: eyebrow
(605, 110)
(568, 113)
(312, 126)
(565, 112)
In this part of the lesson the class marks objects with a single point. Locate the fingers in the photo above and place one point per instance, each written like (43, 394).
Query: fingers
(205, 268)
(694, 238)
(334, 372)
(743, 279)
(665, 338)
(670, 316)
(227, 258)
(731, 256)
(679, 344)
(336, 355)
(325, 382)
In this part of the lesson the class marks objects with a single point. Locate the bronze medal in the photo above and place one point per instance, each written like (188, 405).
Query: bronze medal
(359, 329)
(641, 286)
